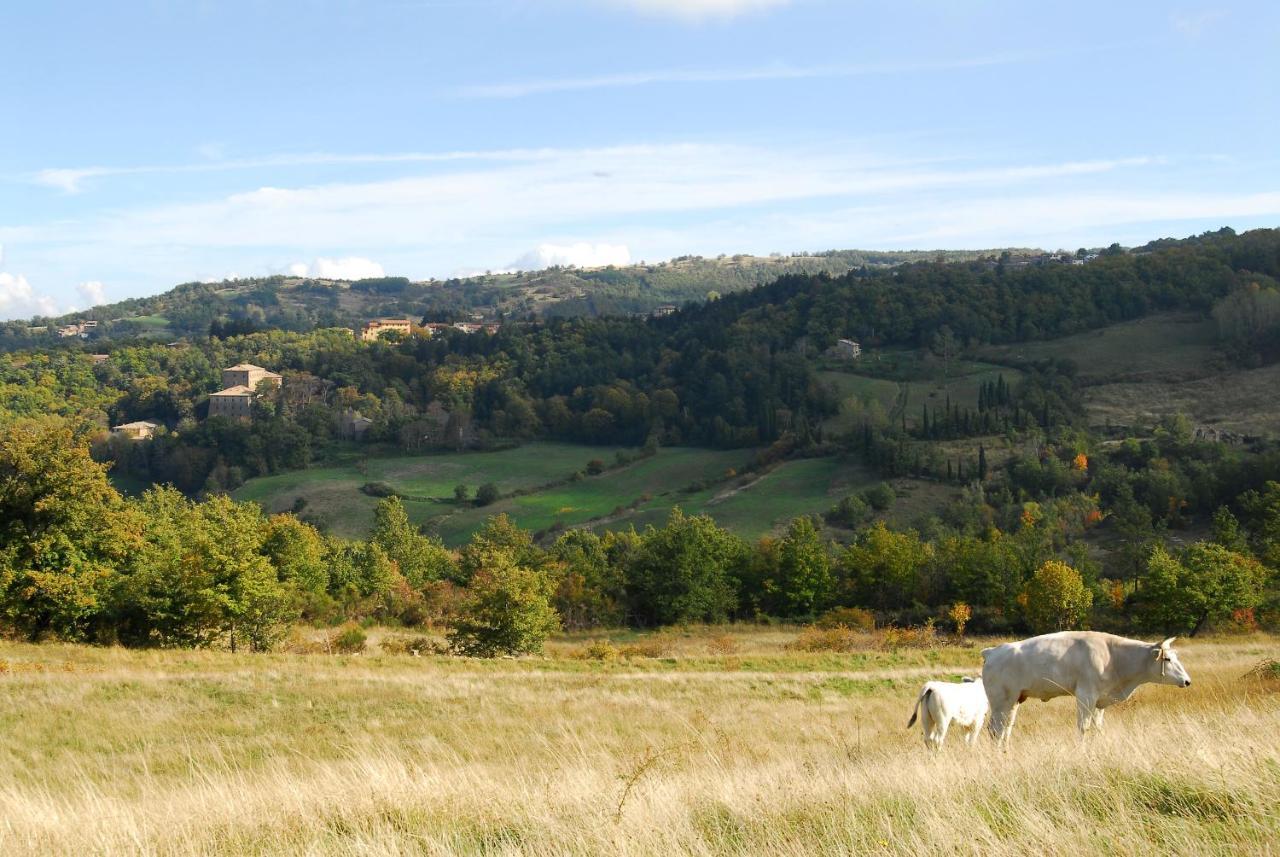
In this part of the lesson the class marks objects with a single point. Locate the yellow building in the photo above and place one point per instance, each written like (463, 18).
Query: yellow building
(379, 326)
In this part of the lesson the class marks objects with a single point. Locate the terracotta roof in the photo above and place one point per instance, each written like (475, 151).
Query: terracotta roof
(140, 424)
(237, 390)
(243, 367)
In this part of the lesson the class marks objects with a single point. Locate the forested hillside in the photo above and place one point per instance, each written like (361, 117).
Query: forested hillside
(300, 304)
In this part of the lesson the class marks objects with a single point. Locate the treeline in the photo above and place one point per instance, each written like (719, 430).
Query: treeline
(80, 562)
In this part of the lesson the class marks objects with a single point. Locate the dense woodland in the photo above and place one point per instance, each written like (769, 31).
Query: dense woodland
(1072, 529)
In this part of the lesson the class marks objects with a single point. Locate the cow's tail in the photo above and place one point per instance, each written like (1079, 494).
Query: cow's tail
(922, 700)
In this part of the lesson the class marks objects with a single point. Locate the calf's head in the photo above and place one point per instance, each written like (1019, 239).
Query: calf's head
(1171, 669)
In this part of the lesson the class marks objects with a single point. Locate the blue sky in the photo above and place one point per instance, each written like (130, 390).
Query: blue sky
(152, 143)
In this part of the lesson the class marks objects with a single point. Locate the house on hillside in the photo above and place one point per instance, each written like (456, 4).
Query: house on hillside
(247, 375)
(140, 430)
(664, 310)
(847, 349)
(352, 424)
(234, 403)
(381, 326)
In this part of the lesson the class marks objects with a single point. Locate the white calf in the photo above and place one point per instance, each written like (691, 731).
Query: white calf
(942, 703)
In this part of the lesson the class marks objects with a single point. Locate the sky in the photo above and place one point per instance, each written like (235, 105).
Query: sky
(156, 142)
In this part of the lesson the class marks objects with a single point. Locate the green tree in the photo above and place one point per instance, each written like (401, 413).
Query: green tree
(884, 569)
(64, 531)
(1206, 582)
(806, 583)
(419, 558)
(487, 494)
(461, 494)
(506, 610)
(590, 590)
(684, 572)
(1056, 598)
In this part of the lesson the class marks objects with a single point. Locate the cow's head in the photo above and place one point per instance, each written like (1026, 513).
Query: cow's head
(1171, 669)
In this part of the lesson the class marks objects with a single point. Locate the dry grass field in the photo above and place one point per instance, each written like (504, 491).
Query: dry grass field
(715, 741)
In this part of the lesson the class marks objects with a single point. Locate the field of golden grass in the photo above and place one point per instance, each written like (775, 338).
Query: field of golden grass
(727, 743)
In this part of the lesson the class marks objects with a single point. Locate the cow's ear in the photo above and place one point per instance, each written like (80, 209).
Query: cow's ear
(1167, 643)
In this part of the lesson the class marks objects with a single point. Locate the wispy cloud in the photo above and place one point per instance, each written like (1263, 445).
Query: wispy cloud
(1195, 23)
(776, 71)
(72, 179)
(698, 10)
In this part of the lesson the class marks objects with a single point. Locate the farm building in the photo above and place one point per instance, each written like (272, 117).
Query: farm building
(247, 375)
(848, 349)
(379, 326)
(140, 430)
(234, 402)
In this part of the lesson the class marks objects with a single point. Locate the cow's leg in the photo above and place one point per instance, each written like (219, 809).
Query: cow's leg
(1003, 706)
(974, 731)
(1086, 709)
(943, 726)
(1097, 718)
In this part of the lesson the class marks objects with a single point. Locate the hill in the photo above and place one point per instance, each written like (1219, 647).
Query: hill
(300, 304)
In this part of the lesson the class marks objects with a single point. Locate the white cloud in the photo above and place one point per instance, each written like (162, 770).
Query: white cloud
(19, 300)
(698, 10)
(94, 292)
(72, 179)
(1194, 24)
(776, 71)
(349, 268)
(580, 255)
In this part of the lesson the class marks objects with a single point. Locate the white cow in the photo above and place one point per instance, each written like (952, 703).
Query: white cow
(942, 703)
(1098, 669)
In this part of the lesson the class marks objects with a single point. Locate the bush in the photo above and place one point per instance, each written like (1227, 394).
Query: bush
(415, 645)
(487, 494)
(506, 610)
(350, 639)
(651, 647)
(461, 494)
(923, 637)
(855, 618)
(841, 638)
(600, 650)
(880, 496)
(724, 644)
(378, 489)
(595, 467)
(849, 512)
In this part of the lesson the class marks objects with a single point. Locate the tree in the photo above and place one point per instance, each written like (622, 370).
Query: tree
(506, 610)
(684, 572)
(590, 590)
(1056, 598)
(487, 494)
(1206, 582)
(64, 531)
(419, 558)
(461, 494)
(805, 582)
(884, 569)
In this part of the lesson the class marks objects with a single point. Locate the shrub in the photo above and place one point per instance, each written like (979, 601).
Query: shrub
(724, 644)
(960, 614)
(923, 637)
(415, 645)
(595, 467)
(855, 618)
(487, 494)
(378, 489)
(350, 639)
(650, 647)
(600, 650)
(461, 494)
(838, 639)
(880, 496)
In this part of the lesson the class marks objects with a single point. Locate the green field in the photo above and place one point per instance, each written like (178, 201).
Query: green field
(641, 493)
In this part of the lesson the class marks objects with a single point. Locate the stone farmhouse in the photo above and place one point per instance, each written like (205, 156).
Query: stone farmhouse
(240, 387)
(848, 349)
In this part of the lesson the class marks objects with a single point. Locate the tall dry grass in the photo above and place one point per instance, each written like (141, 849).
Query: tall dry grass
(760, 751)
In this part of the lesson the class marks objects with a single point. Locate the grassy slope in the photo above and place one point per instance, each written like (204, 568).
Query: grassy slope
(761, 750)
(1166, 364)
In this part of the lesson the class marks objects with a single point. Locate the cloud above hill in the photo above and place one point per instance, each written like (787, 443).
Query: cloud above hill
(94, 292)
(349, 268)
(580, 255)
(19, 300)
